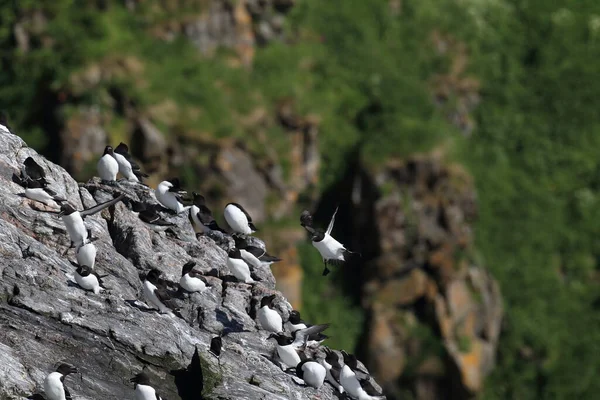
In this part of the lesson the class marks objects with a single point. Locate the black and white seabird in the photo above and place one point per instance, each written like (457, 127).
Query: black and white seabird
(254, 255)
(238, 219)
(170, 194)
(201, 216)
(150, 216)
(216, 346)
(311, 372)
(86, 253)
(143, 390)
(332, 251)
(37, 191)
(191, 281)
(156, 295)
(88, 279)
(295, 323)
(332, 374)
(54, 386)
(108, 167)
(286, 351)
(33, 172)
(127, 167)
(269, 319)
(356, 388)
(238, 267)
(73, 219)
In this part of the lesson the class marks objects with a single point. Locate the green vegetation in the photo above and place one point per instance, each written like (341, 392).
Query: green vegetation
(368, 74)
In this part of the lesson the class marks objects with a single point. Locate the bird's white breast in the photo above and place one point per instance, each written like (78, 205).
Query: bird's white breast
(86, 255)
(250, 258)
(330, 248)
(108, 168)
(168, 199)
(191, 284)
(288, 355)
(270, 320)
(236, 219)
(350, 382)
(239, 269)
(149, 289)
(125, 167)
(314, 374)
(89, 282)
(75, 227)
(144, 392)
(53, 387)
(39, 194)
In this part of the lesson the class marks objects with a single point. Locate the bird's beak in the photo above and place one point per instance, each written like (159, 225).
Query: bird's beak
(132, 380)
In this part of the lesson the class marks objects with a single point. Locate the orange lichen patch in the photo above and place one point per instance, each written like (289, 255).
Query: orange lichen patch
(404, 291)
(390, 358)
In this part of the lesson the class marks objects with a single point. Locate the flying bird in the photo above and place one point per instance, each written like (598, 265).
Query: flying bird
(143, 390)
(127, 167)
(107, 166)
(238, 219)
(170, 194)
(332, 251)
(73, 219)
(191, 280)
(54, 386)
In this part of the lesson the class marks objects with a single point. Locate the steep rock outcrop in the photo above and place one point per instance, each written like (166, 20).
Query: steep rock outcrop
(46, 318)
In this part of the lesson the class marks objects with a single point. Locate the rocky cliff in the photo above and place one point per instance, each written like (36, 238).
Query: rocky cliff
(46, 318)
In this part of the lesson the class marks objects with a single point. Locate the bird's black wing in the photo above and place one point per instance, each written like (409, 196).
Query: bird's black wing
(123, 150)
(369, 388)
(269, 258)
(335, 373)
(301, 336)
(153, 218)
(101, 206)
(244, 211)
(255, 251)
(33, 170)
(67, 394)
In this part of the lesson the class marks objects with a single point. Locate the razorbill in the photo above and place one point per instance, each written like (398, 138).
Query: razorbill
(88, 279)
(149, 215)
(73, 219)
(254, 255)
(302, 337)
(332, 374)
(155, 294)
(269, 319)
(238, 267)
(285, 350)
(37, 191)
(238, 219)
(108, 167)
(86, 253)
(201, 216)
(191, 281)
(170, 194)
(332, 251)
(216, 346)
(33, 173)
(355, 388)
(143, 390)
(295, 323)
(54, 386)
(311, 372)
(351, 361)
(127, 167)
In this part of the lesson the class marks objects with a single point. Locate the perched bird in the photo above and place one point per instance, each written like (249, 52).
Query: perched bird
(269, 319)
(332, 251)
(351, 361)
(170, 194)
(354, 387)
(88, 279)
(201, 216)
(311, 372)
(54, 386)
(73, 219)
(238, 219)
(238, 267)
(150, 216)
(191, 281)
(108, 167)
(127, 167)
(254, 255)
(216, 345)
(33, 172)
(37, 191)
(143, 390)
(155, 294)
(295, 323)
(288, 347)
(86, 253)
(332, 374)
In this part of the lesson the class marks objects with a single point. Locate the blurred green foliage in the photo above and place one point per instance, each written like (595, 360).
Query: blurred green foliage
(366, 72)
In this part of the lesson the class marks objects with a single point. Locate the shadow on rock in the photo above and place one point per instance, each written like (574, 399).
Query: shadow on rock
(190, 381)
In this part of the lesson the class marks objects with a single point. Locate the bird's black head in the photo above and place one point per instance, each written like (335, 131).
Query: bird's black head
(281, 339)
(317, 235)
(84, 270)
(108, 150)
(187, 267)
(141, 379)
(153, 275)
(174, 182)
(295, 317)
(267, 301)
(332, 358)
(66, 209)
(122, 148)
(349, 359)
(30, 162)
(240, 242)
(306, 219)
(138, 206)
(198, 199)
(35, 184)
(234, 253)
(66, 369)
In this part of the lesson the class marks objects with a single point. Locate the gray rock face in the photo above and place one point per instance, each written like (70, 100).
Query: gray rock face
(45, 318)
